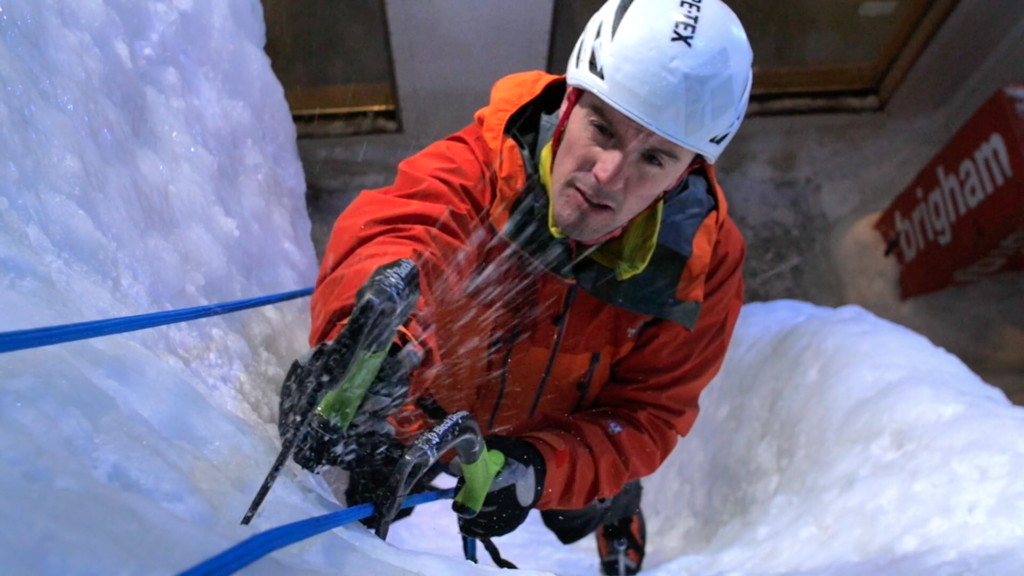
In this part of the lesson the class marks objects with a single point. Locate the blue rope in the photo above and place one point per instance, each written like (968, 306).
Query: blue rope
(259, 545)
(255, 547)
(38, 337)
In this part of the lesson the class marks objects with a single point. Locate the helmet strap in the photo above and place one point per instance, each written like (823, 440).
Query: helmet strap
(572, 97)
(697, 162)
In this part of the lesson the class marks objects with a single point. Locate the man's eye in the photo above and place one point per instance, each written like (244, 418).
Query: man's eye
(601, 129)
(653, 160)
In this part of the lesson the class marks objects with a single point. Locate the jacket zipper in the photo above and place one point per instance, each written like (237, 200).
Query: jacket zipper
(569, 298)
(584, 386)
(504, 377)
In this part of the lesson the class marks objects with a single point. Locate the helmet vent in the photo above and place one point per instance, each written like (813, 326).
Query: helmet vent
(620, 11)
(720, 138)
(595, 67)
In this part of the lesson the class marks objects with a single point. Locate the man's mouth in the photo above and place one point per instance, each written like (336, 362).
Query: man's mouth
(591, 201)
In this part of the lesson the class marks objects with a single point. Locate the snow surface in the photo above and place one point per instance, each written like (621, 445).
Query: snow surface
(148, 162)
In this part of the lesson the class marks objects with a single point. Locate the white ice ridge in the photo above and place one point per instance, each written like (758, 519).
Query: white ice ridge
(834, 442)
(148, 162)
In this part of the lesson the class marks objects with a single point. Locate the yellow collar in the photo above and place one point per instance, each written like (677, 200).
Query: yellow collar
(628, 253)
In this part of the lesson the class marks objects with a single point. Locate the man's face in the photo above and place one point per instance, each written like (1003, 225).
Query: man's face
(609, 169)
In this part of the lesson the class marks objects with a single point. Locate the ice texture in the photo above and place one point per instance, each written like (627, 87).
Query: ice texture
(148, 162)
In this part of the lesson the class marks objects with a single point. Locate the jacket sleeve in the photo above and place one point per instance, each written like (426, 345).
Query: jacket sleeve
(651, 399)
(428, 215)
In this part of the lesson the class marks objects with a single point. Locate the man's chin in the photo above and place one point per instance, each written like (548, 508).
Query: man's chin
(579, 229)
(577, 232)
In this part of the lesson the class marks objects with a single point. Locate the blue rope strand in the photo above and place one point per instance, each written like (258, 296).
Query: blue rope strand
(259, 545)
(38, 337)
(255, 547)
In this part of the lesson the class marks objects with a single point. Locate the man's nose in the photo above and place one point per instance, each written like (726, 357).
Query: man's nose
(609, 168)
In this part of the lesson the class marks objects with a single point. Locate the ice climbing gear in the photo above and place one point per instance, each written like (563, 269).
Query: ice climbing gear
(458, 432)
(342, 370)
(515, 483)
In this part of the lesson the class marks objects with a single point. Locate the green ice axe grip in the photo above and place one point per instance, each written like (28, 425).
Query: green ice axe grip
(383, 303)
(478, 478)
(340, 405)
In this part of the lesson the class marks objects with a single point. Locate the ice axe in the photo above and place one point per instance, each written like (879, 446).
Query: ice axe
(353, 359)
(459, 432)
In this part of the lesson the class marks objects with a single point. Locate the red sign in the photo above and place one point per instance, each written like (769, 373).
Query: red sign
(962, 218)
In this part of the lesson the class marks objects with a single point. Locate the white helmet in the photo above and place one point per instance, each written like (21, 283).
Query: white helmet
(680, 68)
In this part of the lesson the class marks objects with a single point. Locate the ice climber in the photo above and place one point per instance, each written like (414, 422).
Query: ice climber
(580, 275)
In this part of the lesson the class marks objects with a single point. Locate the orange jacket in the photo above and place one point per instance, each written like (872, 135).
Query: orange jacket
(603, 391)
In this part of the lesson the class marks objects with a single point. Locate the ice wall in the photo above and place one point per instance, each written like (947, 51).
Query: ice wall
(148, 162)
(834, 442)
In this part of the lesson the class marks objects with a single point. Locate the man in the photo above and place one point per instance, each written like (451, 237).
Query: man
(580, 275)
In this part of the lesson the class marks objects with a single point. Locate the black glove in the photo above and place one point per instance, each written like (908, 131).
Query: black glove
(516, 489)
(369, 437)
